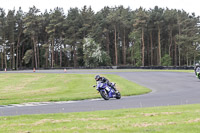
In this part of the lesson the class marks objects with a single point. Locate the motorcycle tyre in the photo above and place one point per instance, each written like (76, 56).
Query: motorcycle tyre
(118, 95)
(104, 96)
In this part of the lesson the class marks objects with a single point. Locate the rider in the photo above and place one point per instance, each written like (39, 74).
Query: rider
(104, 80)
(197, 69)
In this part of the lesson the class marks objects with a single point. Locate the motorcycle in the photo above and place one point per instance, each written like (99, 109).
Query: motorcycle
(107, 91)
(197, 71)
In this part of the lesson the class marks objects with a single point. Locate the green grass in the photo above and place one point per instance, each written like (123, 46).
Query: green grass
(35, 87)
(170, 119)
(141, 70)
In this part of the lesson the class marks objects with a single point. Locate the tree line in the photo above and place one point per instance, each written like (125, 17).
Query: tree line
(111, 36)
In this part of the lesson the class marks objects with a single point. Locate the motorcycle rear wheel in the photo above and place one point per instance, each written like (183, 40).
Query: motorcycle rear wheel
(118, 95)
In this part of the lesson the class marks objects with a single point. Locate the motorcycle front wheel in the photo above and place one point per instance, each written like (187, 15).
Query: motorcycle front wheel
(104, 94)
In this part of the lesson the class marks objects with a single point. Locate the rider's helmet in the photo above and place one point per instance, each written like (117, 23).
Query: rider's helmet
(97, 77)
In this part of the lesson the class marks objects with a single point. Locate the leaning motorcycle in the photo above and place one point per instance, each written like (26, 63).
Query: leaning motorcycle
(197, 71)
(198, 75)
(107, 91)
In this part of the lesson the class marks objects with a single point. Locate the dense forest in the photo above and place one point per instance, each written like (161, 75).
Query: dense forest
(110, 37)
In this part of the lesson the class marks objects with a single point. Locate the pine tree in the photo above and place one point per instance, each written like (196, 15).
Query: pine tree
(31, 22)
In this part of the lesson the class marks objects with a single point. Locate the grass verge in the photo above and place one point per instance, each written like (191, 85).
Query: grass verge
(170, 119)
(143, 70)
(36, 87)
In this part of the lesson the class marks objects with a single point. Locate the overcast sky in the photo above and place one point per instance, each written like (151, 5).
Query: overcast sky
(187, 5)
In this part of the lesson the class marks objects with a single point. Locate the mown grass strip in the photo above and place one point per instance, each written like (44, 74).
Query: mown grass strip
(137, 70)
(170, 119)
(37, 87)
(148, 70)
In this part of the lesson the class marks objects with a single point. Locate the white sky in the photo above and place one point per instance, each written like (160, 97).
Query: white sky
(187, 5)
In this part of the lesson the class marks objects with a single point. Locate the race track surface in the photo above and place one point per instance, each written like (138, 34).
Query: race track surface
(168, 88)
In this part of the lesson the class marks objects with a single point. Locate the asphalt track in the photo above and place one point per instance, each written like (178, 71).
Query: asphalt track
(168, 88)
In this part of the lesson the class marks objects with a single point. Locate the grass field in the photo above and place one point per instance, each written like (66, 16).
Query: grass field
(35, 87)
(140, 70)
(170, 119)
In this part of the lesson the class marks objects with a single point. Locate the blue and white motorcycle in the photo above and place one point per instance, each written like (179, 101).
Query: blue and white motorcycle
(107, 91)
